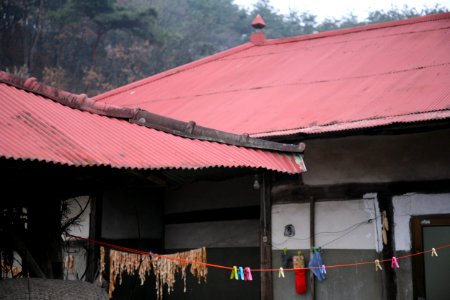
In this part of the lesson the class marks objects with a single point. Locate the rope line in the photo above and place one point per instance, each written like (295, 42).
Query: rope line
(162, 256)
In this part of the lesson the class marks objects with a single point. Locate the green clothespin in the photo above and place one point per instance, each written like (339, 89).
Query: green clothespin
(285, 249)
(234, 273)
(299, 253)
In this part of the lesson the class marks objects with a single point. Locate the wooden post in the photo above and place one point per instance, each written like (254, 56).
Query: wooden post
(312, 241)
(389, 275)
(266, 238)
(94, 233)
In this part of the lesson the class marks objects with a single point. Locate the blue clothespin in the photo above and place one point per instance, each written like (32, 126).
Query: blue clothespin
(323, 270)
(241, 273)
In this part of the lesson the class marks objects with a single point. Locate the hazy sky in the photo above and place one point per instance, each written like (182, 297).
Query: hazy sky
(339, 8)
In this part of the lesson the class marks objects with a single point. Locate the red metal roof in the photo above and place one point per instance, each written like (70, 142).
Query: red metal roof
(396, 72)
(34, 127)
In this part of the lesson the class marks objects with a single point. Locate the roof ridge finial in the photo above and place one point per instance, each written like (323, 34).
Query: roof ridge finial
(258, 22)
(258, 38)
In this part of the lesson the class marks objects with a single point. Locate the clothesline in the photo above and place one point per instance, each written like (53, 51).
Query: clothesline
(162, 256)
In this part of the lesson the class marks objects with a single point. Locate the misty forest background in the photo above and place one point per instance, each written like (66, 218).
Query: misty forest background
(91, 46)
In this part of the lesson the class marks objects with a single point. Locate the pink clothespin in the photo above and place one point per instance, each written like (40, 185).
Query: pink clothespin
(248, 274)
(433, 252)
(234, 273)
(281, 273)
(394, 263)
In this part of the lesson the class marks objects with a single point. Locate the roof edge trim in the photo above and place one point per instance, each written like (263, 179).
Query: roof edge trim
(145, 118)
(359, 124)
(80, 102)
(193, 131)
(297, 157)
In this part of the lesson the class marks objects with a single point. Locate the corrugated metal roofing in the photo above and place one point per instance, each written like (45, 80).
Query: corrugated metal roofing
(33, 127)
(396, 72)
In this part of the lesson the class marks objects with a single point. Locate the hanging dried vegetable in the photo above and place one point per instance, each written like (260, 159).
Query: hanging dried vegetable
(164, 267)
(102, 265)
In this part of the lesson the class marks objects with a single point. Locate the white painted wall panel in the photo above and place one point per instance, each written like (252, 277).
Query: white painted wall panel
(295, 214)
(339, 225)
(75, 206)
(409, 205)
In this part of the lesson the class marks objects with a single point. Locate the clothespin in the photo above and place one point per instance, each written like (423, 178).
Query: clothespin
(281, 273)
(394, 263)
(385, 227)
(433, 252)
(241, 273)
(248, 274)
(323, 270)
(378, 265)
(384, 236)
(385, 220)
(299, 253)
(285, 249)
(234, 273)
(299, 261)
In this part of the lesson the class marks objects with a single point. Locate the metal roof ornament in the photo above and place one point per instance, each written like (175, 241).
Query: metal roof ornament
(258, 38)
(258, 22)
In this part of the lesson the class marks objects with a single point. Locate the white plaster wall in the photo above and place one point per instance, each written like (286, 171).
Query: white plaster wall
(339, 225)
(295, 214)
(79, 267)
(82, 229)
(409, 205)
